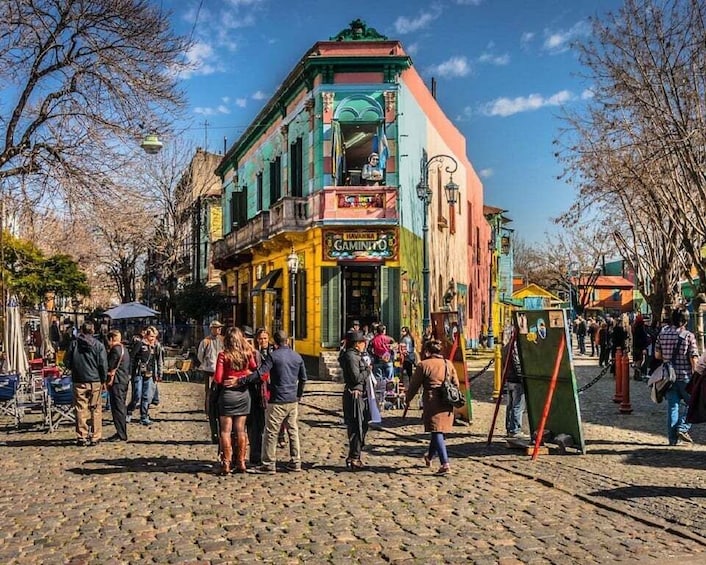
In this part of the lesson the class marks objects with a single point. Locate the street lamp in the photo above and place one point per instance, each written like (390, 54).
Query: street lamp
(292, 267)
(424, 193)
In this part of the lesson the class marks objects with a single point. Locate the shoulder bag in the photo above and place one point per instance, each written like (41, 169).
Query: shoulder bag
(450, 393)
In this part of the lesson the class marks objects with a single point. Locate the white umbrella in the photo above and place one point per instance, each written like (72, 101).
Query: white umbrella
(14, 344)
(131, 310)
(47, 348)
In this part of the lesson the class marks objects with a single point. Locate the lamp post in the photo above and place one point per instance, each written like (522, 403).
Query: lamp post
(292, 267)
(424, 193)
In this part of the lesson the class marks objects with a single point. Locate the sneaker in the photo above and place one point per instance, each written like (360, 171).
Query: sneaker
(263, 470)
(80, 442)
(94, 442)
(115, 438)
(294, 466)
(684, 436)
(128, 418)
(146, 422)
(444, 469)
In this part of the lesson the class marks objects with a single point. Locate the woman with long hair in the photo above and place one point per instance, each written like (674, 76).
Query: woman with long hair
(237, 360)
(438, 417)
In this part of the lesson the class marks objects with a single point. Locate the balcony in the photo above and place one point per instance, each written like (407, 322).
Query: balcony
(236, 244)
(355, 203)
(289, 214)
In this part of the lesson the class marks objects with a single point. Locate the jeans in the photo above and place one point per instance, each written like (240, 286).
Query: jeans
(676, 419)
(515, 408)
(136, 398)
(437, 446)
(383, 372)
(148, 388)
(582, 343)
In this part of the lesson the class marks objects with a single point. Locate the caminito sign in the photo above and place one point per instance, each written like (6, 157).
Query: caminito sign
(361, 245)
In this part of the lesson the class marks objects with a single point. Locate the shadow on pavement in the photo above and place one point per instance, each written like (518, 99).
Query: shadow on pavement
(632, 492)
(42, 442)
(144, 465)
(171, 442)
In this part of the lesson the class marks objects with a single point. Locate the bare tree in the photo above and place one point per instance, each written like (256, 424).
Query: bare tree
(637, 155)
(79, 79)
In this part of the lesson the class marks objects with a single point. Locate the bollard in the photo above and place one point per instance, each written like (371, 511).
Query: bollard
(625, 406)
(617, 364)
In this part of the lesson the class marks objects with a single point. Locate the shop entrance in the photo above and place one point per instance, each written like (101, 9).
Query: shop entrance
(361, 296)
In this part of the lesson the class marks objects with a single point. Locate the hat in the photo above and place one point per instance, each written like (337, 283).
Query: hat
(215, 324)
(355, 337)
(247, 331)
(355, 323)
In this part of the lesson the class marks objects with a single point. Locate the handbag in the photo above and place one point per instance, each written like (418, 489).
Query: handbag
(450, 393)
(664, 376)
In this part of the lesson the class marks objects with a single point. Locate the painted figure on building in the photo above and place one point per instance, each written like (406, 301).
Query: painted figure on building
(372, 172)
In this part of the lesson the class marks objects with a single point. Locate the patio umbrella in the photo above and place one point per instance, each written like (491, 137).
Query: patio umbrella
(14, 344)
(131, 310)
(47, 348)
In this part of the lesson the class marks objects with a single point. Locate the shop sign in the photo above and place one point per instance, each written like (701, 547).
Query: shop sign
(362, 245)
(361, 200)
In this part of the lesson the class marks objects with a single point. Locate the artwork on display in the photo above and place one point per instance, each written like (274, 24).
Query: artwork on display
(360, 245)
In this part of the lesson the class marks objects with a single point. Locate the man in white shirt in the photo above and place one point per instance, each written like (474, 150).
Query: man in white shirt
(207, 355)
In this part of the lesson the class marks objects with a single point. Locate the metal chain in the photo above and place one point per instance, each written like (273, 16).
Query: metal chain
(483, 370)
(595, 380)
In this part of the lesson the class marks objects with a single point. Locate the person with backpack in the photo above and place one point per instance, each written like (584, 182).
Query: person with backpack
(677, 345)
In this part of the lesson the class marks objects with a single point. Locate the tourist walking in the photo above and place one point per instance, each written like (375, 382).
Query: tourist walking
(234, 362)
(117, 384)
(437, 416)
(408, 355)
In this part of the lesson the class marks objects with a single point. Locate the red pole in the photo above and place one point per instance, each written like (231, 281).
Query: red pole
(625, 406)
(502, 385)
(550, 396)
(618, 368)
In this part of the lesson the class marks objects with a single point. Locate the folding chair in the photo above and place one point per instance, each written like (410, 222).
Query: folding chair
(9, 402)
(170, 371)
(183, 369)
(59, 402)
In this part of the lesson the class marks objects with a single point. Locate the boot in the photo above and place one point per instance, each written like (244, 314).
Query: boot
(240, 454)
(226, 454)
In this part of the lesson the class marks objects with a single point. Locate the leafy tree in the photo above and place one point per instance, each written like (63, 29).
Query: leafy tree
(196, 301)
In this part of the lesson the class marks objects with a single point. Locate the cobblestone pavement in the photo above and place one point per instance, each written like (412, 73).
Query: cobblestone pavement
(156, 499)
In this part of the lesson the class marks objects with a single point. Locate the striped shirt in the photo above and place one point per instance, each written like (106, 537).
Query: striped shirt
(666, 343)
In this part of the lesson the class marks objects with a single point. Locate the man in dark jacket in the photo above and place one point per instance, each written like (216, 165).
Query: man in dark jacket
(356, 410)
(287, 379)
(118, 380)
(88, 362)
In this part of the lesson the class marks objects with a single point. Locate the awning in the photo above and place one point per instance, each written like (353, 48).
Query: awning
(267, 282)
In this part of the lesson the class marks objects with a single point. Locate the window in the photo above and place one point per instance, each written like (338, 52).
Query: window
(259, 192)
(356, 164)
(300, 301)
(296, 167)
(239, 209)
(275, 180)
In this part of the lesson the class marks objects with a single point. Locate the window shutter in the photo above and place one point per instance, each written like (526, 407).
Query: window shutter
(330, 306)
(390, 300)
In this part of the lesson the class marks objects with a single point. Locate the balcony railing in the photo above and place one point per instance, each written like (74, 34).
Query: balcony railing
(239, 240)
(355, 203)
(289, 214)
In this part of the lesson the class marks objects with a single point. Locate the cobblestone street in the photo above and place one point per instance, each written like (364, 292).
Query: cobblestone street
(156, 499)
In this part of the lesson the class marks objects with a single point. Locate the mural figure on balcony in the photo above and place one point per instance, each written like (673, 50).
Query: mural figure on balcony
(372, 171)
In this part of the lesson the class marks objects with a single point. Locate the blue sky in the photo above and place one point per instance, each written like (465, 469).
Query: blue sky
(503, 67)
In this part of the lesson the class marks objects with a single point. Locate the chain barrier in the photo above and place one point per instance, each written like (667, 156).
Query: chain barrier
(483, 370)
(595, 379)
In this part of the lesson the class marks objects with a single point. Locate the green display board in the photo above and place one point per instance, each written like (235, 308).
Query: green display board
(539, 343)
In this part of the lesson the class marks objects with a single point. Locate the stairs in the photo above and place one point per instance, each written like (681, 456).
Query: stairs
(329, 369)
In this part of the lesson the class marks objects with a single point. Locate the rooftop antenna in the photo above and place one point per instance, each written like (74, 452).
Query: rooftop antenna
(205, 134)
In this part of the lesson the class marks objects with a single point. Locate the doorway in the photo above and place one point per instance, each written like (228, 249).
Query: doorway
(361, 296)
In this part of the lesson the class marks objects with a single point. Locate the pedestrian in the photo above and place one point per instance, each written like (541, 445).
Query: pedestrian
(117, 385)
(207, 353)
(437, 415)
(356, 407)
(287, 380)
(408, 355)
(515, 408)
(88, 362)
(383, 356)
(603, 345)
(235, 361)
(147, 366)
(581, 334)
(591, 333)
(640, 346)
(677, 345)
(259, 396)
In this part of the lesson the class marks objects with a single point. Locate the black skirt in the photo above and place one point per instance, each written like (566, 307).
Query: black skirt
(234, 402)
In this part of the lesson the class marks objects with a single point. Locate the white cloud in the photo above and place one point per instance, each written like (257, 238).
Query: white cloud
(225, 99)
(491, 59)
(453, 67)
(223, 109)
(200, 59)
(508, 106)
(527, 37)
(485, 173)
(469, 2)
(412, 48)
(404, 24)
(559, 41)
(259, 95)
(241, 102)
(587, 94)
(210, 111)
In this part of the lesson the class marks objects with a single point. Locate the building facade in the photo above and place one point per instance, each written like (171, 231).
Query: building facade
(328, 171)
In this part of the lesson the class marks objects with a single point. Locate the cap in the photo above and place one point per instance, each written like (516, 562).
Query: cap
(215, 324)
(247, 331)
(355, 323)
(355, 337)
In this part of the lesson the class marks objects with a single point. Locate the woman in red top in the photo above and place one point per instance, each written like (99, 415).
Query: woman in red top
(235, 361)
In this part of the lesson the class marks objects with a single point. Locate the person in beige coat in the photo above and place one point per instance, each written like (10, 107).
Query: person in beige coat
(437, 416)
